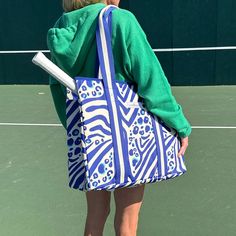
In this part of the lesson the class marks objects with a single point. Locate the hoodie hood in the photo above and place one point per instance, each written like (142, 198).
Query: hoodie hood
(72, 38)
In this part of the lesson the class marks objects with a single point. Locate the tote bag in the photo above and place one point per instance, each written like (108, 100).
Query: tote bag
(113, 140)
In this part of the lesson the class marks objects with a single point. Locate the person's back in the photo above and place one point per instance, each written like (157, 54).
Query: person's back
(73, 47)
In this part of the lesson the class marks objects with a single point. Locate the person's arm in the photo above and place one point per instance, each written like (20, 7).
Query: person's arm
(152, 83)
(58, 91)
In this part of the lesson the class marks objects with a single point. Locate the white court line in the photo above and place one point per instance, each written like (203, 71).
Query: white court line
(194, 49)
(59, 125)
(23, 52)
(155, 50)
(29, 124)
(213, 127)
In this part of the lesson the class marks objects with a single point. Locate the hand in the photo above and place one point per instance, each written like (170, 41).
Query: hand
(184, 145)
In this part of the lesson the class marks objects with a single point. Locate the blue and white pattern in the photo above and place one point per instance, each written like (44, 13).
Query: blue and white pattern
(113, 140)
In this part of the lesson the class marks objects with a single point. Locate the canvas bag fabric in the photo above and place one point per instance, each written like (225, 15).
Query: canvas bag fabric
(113, 140)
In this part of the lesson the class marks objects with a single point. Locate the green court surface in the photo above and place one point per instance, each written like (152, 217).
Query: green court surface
(35, 199)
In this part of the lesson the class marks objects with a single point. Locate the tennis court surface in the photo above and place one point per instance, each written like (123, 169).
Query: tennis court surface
(35, 199)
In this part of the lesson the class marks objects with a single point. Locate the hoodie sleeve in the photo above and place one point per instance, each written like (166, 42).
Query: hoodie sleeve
(152, 83)
(58, 91)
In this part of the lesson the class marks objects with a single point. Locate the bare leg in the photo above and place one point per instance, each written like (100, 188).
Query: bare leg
(98, 209)
(128, 203)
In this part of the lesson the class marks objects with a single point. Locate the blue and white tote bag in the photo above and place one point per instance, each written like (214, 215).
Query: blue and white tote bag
(113, 140)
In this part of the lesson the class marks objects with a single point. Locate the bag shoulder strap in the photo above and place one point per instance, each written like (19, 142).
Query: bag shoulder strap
(104, 47)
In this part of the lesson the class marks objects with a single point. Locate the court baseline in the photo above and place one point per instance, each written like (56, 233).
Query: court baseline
(59, 125)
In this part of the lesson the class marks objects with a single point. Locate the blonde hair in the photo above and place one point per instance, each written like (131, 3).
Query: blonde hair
(70, 5)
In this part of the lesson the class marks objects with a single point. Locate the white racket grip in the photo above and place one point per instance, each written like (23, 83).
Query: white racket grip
(42, 61)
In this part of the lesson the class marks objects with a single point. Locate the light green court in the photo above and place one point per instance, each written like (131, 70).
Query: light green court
(35, 199)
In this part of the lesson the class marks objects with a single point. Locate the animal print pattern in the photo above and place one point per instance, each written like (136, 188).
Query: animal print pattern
(91, 161)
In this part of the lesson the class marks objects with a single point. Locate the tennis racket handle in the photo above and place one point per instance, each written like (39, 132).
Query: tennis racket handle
(42, 61)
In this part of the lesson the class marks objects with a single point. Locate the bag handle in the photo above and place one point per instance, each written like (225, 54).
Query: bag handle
(104, 47)
(107, 69)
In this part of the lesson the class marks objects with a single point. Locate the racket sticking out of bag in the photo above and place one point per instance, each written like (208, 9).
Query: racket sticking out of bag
(113, 140)
(42, 61)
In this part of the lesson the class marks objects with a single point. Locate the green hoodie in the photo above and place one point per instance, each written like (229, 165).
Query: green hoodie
(73, 48)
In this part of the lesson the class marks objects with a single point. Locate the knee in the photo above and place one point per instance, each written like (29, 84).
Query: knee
(106, 212)
(125, 231)
(100, 214)
(126, 226)
(95, 221)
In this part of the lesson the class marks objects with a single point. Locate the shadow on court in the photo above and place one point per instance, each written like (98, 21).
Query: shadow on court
(35, 199)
